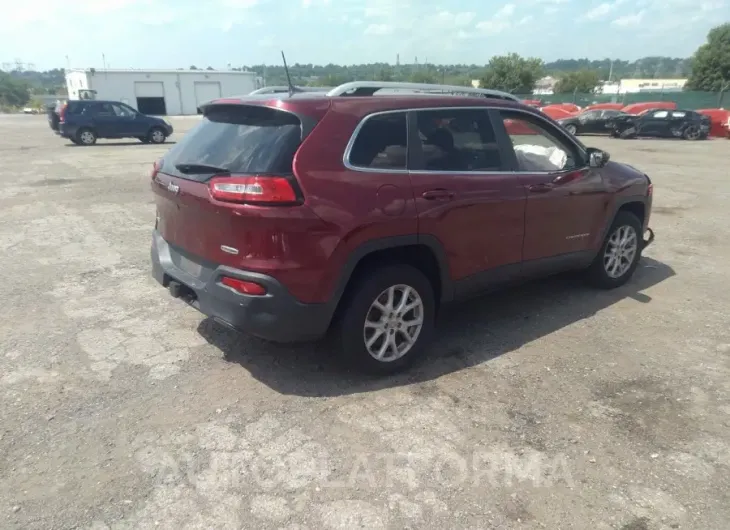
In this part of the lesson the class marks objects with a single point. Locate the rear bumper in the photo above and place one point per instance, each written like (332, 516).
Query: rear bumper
(275, 316)
(66, 131)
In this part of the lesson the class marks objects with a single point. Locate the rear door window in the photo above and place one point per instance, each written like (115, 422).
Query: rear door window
(75, 107)
(458, 140)
(240, 139)
(381, 143)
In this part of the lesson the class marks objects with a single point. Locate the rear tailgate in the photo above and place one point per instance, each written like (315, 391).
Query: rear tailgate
(240, 140)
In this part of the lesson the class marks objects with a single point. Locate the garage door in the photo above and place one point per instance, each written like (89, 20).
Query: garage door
(205, 91)
(149, 89)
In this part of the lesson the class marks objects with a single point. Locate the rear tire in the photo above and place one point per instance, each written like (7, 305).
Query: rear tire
(388, 319)
(620, 253)
(628, 133)
(86, 137)
(156, 136)
(692, 133)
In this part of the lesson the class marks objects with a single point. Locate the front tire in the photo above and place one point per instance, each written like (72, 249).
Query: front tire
(86, 137)
(620, 253)
(388, 319)
(156, 136)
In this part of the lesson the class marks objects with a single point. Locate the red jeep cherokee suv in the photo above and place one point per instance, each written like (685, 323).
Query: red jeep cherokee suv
(285, 215)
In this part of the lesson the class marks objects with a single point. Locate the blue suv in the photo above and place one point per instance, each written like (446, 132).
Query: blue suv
(84, 121)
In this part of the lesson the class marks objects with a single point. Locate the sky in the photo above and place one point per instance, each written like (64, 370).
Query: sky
(218, 33)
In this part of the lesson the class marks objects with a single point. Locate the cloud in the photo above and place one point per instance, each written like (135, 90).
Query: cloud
(379, 29)
(455, 19)
(601, 10)
(316, 3)
(598, 12)
(499, 22)
(628, 21)
(348, 31)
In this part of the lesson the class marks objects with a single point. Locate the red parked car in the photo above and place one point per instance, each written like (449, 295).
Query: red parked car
(288, 216)
(640, 108)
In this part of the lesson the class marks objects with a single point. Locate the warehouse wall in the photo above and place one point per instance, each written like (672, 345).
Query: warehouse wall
(181, 90)
(74, 82)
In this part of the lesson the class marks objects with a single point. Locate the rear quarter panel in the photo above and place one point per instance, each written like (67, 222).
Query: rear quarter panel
(356, 207)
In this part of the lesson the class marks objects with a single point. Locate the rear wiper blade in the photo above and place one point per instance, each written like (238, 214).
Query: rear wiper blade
(191, 169)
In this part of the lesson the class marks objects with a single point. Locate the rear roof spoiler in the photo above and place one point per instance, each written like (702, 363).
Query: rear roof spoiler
(369, 88)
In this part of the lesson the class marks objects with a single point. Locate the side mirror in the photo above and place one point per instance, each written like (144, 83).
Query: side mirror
(597, 158)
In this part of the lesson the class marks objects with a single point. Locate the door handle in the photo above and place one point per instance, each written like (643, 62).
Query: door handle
(432, 195)
(541, 188)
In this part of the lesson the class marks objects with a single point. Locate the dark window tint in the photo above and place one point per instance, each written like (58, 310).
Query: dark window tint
(539, 147)
(458, 140)
(74, 107)
(381, 142)
(97, 109)
(240, 139)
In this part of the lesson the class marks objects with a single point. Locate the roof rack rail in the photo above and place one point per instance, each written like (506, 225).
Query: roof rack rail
(369, 88)
(285, 89)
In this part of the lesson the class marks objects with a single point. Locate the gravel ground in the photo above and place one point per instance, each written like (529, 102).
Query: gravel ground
(547, 406)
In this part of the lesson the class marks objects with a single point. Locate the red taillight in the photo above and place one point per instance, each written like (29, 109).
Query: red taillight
(253, 189)
(156, 166)
(649, 190)
(62, 113)
(243, 286)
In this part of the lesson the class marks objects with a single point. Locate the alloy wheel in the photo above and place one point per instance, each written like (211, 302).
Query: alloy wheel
(393, 323)
(620, 251)
(692, 133)
(158, 136)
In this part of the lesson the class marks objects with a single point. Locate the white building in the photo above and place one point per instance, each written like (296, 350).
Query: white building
(164, 92)
(652, 85)
(633, 86)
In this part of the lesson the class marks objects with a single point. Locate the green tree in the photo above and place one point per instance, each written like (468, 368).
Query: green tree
(583, 81)
(512, 73)
(424, 76)
(711, 61)
(331, 80)
(384, 74)
(13, 92)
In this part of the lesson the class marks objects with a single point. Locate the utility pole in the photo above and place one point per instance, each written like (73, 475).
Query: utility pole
(610, 71)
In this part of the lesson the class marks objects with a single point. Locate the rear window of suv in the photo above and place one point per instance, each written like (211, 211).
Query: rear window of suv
(240, 139)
